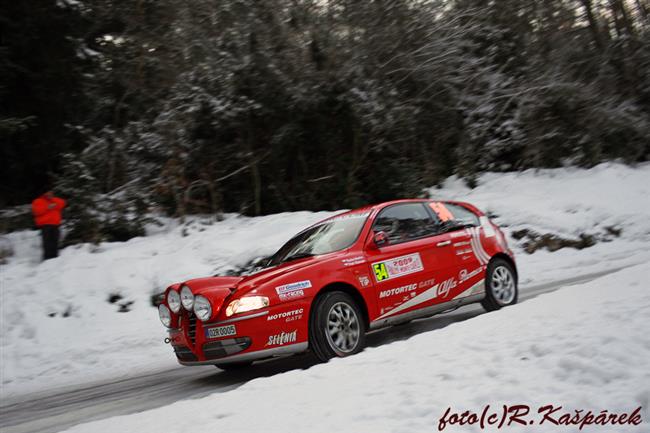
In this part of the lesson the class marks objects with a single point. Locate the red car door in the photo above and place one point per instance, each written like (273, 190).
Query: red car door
(466, 243)
(415, 268)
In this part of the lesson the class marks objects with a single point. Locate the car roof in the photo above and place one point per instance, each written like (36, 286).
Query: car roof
(378, 206)
(372, 207)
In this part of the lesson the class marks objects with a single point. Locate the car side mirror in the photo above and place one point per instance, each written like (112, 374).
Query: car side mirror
(380, 239)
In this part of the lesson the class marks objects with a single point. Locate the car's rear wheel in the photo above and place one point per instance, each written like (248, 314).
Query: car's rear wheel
(337, 327)
(500, 285)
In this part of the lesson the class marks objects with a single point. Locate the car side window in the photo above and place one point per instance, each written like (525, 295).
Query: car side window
(456, 213)
(405, 222)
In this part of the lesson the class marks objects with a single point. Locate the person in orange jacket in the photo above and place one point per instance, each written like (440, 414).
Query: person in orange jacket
(47, 216)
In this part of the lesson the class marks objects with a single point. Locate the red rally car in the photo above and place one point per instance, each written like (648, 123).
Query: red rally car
(365, 269)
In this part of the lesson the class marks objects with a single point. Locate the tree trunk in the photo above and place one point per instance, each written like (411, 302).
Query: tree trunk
(593, 24)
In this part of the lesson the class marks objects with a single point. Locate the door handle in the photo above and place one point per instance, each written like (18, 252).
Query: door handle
(443, 243)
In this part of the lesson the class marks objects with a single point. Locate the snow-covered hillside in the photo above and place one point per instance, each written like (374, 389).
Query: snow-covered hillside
(58, 328)
(584, 347)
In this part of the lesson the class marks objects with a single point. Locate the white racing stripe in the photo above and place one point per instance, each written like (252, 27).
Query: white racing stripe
(430, 294)
(486, 256)
(477, 288)
(479, 252)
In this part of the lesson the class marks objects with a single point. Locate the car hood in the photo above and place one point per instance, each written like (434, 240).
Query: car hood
(266, 275)
(228, 285)
(218, 289)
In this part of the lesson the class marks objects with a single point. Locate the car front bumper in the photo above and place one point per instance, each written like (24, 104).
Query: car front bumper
(241, 339)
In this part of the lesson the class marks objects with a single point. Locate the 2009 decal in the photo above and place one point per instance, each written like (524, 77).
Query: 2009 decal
(398, 266)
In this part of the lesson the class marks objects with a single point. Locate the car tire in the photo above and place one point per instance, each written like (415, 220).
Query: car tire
(234, 365)
(337, 327)
(500, 285)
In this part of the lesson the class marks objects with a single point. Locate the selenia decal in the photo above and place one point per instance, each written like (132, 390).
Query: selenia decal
(282, 338)
(397, 267)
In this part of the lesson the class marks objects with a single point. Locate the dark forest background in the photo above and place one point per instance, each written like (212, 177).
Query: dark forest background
(253, 106)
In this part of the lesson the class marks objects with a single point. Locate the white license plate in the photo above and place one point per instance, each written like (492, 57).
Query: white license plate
(222, 331)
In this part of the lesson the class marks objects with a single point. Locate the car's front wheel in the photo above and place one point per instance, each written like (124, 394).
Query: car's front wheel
(500, 285)
(337, 327)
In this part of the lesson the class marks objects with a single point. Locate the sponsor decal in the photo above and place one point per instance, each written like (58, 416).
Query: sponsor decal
(441, 210)
(426, 283)
(464, 275)
(397, 291)
(349, 216)
(364, 280)
(461, 243)
(353, 261)
(292, 290)
(282, 338)
(440, 290)
(397, 267)
(288, 315)
(222, 331)
(296, 294)
(292, 287)
(445, 287)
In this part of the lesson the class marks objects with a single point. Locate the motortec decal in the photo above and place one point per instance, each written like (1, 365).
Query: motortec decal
(293, 290)
(397, 291)
(282, 338)
(439, 290)
(288, 315)
(222, 331)
(397, 266)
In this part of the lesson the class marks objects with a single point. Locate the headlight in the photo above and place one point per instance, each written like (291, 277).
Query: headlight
(187, 298)
(165, 315)
(202, 308)
(247, 303)
(174, 301)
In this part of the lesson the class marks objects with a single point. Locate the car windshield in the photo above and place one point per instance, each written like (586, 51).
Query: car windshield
(332, 235)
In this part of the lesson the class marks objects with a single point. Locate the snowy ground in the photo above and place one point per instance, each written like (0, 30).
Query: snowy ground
(95, 341)
(584, 347)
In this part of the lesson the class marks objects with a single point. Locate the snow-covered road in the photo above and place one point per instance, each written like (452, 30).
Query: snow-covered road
(44, 412)
(69, 356)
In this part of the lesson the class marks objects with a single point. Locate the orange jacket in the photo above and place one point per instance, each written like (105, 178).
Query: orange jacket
(47, 211)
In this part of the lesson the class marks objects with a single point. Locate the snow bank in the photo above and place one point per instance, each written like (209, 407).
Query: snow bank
(95, 341)
(58, 327)
(567, 202)
(583, 347)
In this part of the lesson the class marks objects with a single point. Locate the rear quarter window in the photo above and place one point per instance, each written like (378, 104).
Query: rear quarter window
(449, 211)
